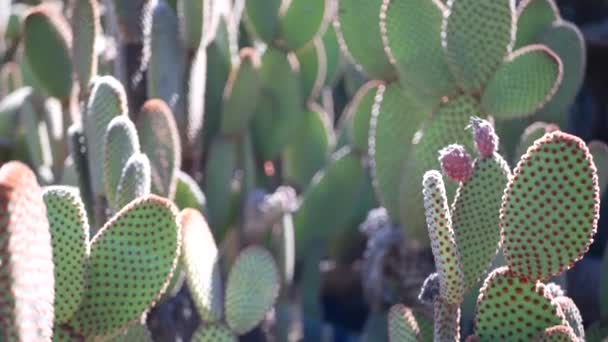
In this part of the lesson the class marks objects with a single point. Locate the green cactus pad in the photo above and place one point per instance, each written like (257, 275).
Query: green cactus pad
(395, 119)
(69, 228)
(337, 187)
(475, 216)
(26, 275)
(359, 113)
(572, 315)
(130, 22)
(359, 36)
(533, 16)
(468, 25)
(301, 21)
(558, 333)
(47, 41)
(550, 207)
(214, 333)
(137, 332)
(333, 55)
(567, 41)
(599, 151)
(86, 28)
(132, 259)
(411, 31)
(219, 172)
(78, 150)
(252, 288)
(443, 243)
(263, 18)
(597, 332)
(446, 321)
(63, 333)
(511, 308)
(165, 76)
(135, 181)
(188, 194)
(121, 142)
(402, 324)
(242, 93)
(532, 133)
(159, 140)
(528, 79)
(197, 22)
(446, 126)
(278, 114)
(197, 94)
(200, 258)
(107, 100)
(310, 150)
(313, 68)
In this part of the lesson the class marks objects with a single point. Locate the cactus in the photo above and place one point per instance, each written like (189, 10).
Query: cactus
(86, 28)
(135, 180)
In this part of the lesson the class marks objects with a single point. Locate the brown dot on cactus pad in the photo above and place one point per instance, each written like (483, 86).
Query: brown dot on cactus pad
(456, 163)
(550, 207)
(510, 308)
(486, 140)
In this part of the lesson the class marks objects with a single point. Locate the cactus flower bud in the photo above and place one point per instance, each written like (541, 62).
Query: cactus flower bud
(486, 140)
(456, 163)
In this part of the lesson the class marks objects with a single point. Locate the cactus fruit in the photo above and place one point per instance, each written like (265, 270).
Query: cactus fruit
(550, 207)
(135, 181)
(485, 139)
(201, 262)
(47, 38)
(127, 275)
(69, 229)
(214, 333)
(254, 271)
(87, 29)
(456, 163)
(26, 276)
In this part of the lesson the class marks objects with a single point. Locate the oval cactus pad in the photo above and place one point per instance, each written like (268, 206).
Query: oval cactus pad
(402, 324)
(550, 208)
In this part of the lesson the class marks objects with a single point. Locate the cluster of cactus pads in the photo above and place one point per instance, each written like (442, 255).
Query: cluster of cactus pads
(543, 216)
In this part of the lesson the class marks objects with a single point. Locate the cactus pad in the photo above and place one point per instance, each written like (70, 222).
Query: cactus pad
(86, 28)
(599, 151)
(359, 112)
(550, 208)
(160, 141)
(559, 333)
(26, 275)
(313, 68)
(533, 16)
(513, 308)
(188, 194)
(197, 94)
(221, 165)
(445, 251)
(446, 321)
(201, 262)
(253, 286)
(121, 142)
(301, 21)
(70, 239)
(475, 216)
(528, 79)
(47, 40)
(132, 259)
(214, 333)
(402, 324)
(360, 38)
(573, 316)
(412, 38)
(477, 35)
(135, 180)
(262, 18)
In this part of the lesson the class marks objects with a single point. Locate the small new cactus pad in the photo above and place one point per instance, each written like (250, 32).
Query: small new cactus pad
(86, 28)
(263, 19)
(359, 113)
(528, 79)
(197, 93)
(446, 321)
(188, 194)
(411, 31)
(252, 288)
(472, 56)
(219, 172)
(107, 99)
(313, 68)
(599, 151)
(135, 181)
(214, 333)
(550, 207)
(26, 275)
(395, 119)
(70, 240)
(445, 251)
(47, 41)
(121, 142)
(485, 139)
(572, 315)
(159, 140)
(558, 333)
(132, 259)
(243, 83)
(456, 163)
(165, 66)
(475, 216)
(532, 17)
(360, 38)
(301, 21)
(511, 308)
(402, 324)
(201, 262)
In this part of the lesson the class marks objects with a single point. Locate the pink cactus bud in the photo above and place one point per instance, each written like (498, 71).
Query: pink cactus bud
(486, 140)
(456, 163)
